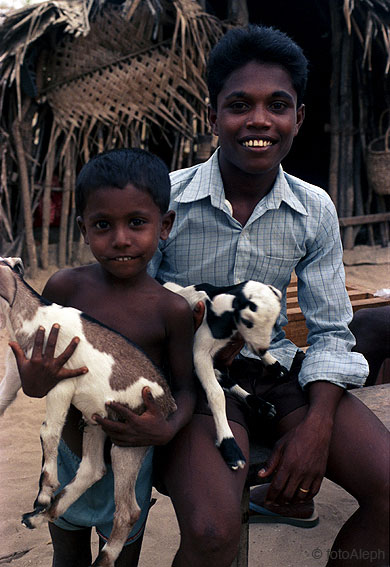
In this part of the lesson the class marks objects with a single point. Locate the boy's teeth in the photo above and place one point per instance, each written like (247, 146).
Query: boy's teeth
(123, 258)
(257, 143)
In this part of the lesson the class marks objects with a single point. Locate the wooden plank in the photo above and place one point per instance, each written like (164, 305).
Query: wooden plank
(296, 329)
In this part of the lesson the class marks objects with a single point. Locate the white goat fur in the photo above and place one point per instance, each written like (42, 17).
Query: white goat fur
(118, 371)
(254, 321)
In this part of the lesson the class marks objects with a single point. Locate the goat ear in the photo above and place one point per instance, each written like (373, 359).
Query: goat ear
(15, 263)
(18, 266)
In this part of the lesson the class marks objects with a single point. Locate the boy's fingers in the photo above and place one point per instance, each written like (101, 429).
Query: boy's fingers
(65, 356)
(72, 372)
(148, 399)
(52, 340)
(38, 343)
(18, 352)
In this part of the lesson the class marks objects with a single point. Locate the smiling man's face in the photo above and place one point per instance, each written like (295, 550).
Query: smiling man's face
(256, 119)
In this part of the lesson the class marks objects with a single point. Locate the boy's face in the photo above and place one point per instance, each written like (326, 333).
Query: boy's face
(256, 119)
(123, 228)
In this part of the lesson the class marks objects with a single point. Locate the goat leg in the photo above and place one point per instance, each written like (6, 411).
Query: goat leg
(226, 443)
(126, 463)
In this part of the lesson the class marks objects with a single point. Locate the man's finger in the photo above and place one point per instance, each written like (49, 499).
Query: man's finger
(198, 314)
(38, 343)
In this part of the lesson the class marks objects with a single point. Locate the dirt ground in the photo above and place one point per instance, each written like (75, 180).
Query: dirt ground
(270, 545)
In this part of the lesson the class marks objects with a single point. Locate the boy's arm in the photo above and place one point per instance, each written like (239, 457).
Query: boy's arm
(151, 428)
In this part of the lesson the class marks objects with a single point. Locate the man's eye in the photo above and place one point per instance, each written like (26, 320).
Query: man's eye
(238, 106)
(279, 105)
(102, 225)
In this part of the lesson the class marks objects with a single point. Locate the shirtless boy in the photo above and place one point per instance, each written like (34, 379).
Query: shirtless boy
(122, 200)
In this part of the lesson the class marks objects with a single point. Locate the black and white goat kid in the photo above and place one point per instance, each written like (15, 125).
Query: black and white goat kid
(118, 371)
(250, 308)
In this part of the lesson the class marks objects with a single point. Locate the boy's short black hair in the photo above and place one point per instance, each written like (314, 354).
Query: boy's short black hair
(240, 46)
(118, 168)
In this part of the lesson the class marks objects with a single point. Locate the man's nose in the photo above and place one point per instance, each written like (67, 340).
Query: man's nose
(259, 117)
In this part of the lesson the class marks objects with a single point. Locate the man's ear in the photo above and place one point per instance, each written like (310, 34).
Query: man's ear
(81, 226)
(300, 118)
(166, 224)
(212, 115)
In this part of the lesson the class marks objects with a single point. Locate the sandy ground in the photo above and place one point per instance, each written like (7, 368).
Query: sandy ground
(270, 545)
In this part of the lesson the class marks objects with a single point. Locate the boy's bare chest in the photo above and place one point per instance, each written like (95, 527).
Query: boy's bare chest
(138, 320)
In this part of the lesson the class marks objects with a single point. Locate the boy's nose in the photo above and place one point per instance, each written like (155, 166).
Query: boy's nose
(121, 237)
(259, 117)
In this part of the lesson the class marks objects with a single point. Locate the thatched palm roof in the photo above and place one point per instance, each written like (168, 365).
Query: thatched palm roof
(81, 76)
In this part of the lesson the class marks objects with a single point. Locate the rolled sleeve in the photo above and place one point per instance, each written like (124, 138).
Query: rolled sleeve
(325, 304)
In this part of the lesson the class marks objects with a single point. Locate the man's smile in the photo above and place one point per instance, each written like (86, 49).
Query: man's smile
(256, 142)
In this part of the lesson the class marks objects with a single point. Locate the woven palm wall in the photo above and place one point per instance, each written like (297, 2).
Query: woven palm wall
(80, 77)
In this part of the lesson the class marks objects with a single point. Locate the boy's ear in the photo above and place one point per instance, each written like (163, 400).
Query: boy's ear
(81, 226)
(300, 118)
(212, 115)
(166, 224)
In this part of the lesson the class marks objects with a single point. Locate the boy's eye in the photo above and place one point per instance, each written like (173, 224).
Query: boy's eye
(136, 222)
(102, 225)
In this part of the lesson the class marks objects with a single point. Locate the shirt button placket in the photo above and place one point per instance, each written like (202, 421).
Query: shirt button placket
(242, 257)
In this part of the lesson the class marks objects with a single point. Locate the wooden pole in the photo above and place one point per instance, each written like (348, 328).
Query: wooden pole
(334, 103)
(26, 196)
(46, 206)
(65, 207)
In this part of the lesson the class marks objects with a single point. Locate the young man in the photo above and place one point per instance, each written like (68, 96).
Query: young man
(240, 216)
(122, 200)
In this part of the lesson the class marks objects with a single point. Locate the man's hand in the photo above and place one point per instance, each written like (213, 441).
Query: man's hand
(298, 462)
(42, 372)
(149, 428)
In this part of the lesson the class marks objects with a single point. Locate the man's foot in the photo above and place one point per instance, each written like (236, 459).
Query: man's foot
(301, 514)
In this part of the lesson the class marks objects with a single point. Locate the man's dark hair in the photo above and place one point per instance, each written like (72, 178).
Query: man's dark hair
(262, 44)
(118, 168)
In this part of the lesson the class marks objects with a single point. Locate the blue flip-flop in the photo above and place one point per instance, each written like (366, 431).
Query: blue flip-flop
(264, 516)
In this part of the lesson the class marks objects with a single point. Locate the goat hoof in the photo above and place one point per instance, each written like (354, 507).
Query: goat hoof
(262, 408)
(232, 454)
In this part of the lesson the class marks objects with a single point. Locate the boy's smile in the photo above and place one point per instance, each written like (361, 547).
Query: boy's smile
(256, 121)
(123, 228)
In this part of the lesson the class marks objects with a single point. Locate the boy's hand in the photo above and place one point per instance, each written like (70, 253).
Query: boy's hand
(150, 428)
(42, 372)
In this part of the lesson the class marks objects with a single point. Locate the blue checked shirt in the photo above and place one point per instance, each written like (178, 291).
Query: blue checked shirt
(294, 227)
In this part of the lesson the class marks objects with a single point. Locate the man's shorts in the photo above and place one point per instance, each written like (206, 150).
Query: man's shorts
(96, 506)
(285, 394)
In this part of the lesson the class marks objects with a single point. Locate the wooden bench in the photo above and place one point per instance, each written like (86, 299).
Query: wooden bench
(296, 331)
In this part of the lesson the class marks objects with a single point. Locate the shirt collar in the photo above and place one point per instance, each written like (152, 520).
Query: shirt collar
(207, 182)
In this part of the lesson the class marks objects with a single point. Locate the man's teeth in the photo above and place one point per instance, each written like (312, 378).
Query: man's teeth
(257, 143)
(123, 258)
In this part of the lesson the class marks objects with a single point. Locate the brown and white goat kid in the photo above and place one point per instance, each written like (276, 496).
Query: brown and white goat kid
(250, 308)
(118, 371)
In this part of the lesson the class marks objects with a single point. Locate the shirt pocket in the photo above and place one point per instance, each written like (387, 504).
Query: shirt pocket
(276, 271)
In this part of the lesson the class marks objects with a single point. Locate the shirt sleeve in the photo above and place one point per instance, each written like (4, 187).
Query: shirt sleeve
(325, 303)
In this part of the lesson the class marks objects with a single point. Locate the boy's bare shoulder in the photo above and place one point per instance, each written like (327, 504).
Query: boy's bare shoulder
(174, 303)
(61, 284)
